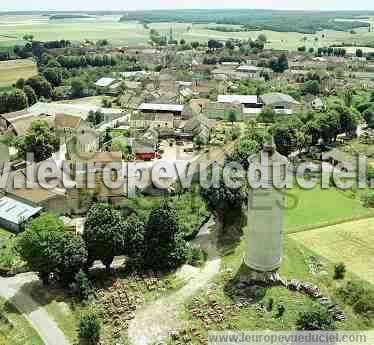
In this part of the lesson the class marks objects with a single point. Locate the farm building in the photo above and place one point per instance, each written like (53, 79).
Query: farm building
(250, 69)
(248, 101)
(174, 109)
(105, 82)
(17, 123)
(14, 213)
(250, 104)
(281, 102)
(146, 120)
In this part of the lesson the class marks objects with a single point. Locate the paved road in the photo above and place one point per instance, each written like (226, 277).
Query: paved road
(48, 330)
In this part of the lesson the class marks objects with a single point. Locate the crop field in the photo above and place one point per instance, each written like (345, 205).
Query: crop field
(351, 243)
(11, 71)
(13, 28)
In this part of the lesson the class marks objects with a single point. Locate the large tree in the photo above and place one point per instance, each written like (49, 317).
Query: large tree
(40, 246)
(134, 231)
(103, 234)
(73, 257)
(41, 86)
(78, 88)
(246, 148)
(312, 87)
(39, 140)
(53, 75)
(289, 135)
(279, 65)
(164, 247)
(30, 94)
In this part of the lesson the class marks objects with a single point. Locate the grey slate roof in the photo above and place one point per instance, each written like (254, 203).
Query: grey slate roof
(277, 97)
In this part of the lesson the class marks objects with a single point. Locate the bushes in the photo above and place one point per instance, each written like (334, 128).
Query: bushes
(368, 200)
(196, 256)
(81, 286)
(339, 271)
(315, 319)
(89, 327)
(359, 295)
(13, 100)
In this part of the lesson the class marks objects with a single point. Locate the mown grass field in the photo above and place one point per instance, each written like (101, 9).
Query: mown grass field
(317, 207)
(11, 71)
(351, 243)
(13, 28)
(15, 329)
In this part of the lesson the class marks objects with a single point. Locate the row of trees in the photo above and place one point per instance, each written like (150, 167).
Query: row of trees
(158, 244)
(330, 51)
(96, 60)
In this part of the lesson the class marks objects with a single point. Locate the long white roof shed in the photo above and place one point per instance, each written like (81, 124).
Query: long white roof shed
(242, 99)
(15, 211)
(161, 107)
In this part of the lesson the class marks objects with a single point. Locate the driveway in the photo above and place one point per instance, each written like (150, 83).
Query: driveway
(12, 290)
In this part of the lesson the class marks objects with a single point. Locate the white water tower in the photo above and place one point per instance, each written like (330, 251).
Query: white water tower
(265, 214)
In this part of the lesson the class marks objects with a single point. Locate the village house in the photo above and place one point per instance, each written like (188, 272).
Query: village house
(80, 198)
(210, 109)
(142, 120)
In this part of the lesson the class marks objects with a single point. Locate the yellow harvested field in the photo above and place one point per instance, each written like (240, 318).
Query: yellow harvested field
(351, 243)
(11, 71)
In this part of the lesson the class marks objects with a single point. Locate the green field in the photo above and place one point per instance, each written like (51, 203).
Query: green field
(13, 28)
(308, 209)
(11, 71)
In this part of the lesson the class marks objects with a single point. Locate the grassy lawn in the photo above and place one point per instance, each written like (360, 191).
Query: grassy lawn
(11, 71)
(351, 243)
(94, 100)
(5, 235)
(317, 207)
(15, 329)
(56, 303)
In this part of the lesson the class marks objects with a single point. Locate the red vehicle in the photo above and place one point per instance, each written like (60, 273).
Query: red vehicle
(147, 156)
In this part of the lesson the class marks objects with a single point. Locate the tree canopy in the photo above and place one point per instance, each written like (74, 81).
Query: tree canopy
(39, 140)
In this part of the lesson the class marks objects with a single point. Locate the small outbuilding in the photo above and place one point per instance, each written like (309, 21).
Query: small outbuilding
(14, 213)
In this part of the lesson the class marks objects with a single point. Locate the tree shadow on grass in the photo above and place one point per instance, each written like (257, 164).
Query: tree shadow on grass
(231, 232)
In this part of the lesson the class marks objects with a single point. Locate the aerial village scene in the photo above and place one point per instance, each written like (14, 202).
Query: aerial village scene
(134, 150)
